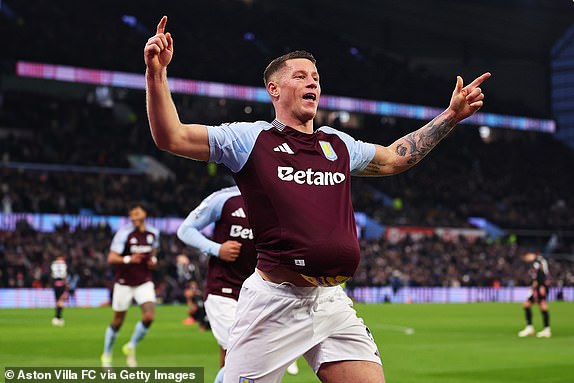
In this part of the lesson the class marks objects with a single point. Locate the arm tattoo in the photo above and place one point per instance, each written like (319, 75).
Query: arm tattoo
(417, 144)
(373, 169)
(411, 148)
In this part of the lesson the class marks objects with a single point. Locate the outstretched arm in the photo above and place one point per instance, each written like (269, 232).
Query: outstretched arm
(209, 211)
(407, 151)
(188, 140)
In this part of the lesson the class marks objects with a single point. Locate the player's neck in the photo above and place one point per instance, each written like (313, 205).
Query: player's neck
(302, 126)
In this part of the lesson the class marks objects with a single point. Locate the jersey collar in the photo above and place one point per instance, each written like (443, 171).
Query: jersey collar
(278, 125)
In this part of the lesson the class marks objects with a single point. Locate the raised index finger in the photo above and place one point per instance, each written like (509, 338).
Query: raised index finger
(479, 80)
(161, 25)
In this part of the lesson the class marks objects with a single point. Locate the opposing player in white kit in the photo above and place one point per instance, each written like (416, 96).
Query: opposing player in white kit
(133, 253)
(59, 274)
(232, 259)
(295, 181)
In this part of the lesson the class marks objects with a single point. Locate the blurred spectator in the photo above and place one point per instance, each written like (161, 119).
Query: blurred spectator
(25, 259)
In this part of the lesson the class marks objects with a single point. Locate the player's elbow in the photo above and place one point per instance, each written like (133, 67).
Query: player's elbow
(111, 258)
(400, 166)
(164, 135)
(163, 143)
(181, 231)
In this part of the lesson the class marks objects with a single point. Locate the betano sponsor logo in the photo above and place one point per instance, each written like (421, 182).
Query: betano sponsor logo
(142, 249)
(309, 177)
(238, 231)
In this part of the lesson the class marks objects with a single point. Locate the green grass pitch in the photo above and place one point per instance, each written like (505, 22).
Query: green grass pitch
(448, 343)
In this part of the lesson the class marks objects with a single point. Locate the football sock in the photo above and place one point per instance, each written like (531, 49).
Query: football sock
(528, 312)
(109, 339)
(219, 377)
(139, 332)
(59, 312)
(546, 318)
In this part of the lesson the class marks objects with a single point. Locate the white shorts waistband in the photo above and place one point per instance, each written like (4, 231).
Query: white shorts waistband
(287, 289)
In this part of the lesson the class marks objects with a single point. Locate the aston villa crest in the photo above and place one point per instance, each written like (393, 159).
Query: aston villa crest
(328, 150)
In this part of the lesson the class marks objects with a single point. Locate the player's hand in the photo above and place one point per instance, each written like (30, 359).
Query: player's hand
(229, 251)
(137, 258)
(151, 263)
(159, 49)
(466, 101)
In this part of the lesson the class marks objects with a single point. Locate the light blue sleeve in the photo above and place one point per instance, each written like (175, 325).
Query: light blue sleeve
(156, 233)
(209, 211)
(361, 153)
(231, 144)
(119, 240)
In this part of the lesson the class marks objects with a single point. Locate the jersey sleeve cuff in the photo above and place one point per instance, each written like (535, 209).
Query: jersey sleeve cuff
(369, 154)
(214, 250)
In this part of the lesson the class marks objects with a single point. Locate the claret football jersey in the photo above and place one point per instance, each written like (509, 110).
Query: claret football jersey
(226, 209)
(127, 241)
(296, 187)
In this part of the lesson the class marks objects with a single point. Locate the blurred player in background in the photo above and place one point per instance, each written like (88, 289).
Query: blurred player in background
(73, 280)
(538, 294)
(196, 305)
(295, 181)
(232, 259)
(187, 277)
(59, 273)
(133, 253)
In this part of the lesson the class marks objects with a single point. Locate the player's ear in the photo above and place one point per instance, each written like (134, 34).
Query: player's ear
(273, 89)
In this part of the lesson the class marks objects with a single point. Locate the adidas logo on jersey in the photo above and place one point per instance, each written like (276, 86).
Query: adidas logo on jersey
(239, 213)
(283, 148)
(309, 177)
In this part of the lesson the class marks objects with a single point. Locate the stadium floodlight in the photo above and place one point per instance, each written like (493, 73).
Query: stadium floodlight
(130, 20)
(484, 132)
(249, 36)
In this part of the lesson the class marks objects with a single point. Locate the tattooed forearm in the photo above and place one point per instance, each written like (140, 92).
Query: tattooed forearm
(414, 146)
(405, 152)
(374, 168)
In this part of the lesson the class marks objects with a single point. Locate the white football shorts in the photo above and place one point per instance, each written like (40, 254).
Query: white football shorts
(221, 314)
(277, 323)
(123, 295)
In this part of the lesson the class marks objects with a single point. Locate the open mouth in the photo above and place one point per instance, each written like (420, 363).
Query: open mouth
(310, 96)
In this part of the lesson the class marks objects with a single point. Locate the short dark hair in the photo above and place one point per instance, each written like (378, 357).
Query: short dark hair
(275, 65)
(136, 205)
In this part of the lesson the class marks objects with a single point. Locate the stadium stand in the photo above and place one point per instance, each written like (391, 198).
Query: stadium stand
(25, 257)
(244, 33)
(516, 180)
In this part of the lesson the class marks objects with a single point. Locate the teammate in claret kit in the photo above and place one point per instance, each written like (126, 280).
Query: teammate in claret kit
(232, 259)
(133, 253)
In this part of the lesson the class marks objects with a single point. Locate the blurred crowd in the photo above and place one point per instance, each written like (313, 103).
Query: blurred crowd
(433, 261)
(25, 256)
(516, 180)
